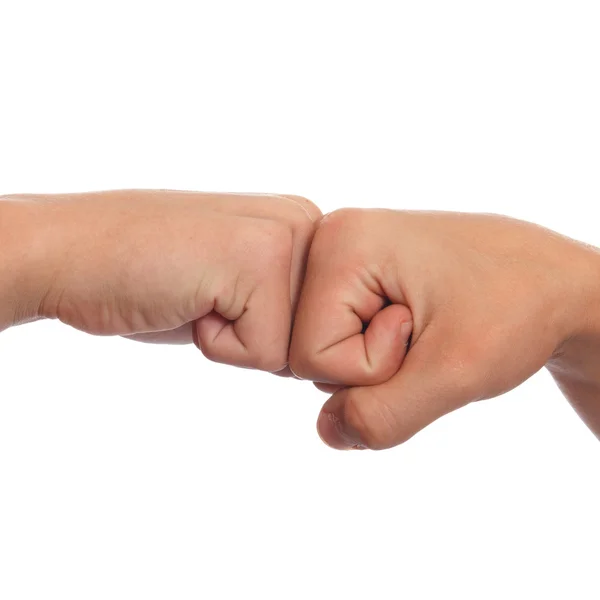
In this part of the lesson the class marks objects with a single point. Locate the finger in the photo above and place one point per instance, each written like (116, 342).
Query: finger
(267, 206)
(426, 387)
(330, 342)
(285, 372)
(256, 335)
(369, 357)
(218, 340)
(303, 234)
(180, 335)
(299, 213)
(328, 388)
(312, 210)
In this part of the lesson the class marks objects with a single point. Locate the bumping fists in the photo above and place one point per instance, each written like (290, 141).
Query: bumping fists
(402, 316)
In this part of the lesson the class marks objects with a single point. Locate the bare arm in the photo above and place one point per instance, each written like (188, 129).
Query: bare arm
(576, 364)
(222, 270)
(25, 264)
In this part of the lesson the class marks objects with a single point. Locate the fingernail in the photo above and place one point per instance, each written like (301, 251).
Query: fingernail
(337, 434)
(406, 332)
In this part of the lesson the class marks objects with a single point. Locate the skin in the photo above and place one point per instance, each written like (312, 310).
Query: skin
(493, 301)
(223, 270)
(402, 316)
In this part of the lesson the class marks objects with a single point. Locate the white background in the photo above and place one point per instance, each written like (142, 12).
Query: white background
(132, 471)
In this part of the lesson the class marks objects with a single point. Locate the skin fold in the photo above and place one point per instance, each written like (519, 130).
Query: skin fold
(401, 316)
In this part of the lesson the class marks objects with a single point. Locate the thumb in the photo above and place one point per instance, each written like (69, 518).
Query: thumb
(346, 336)
(360, 355)
(427, 386)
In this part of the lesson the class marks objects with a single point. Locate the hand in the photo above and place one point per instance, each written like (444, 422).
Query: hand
(492, 300)
(165, 266)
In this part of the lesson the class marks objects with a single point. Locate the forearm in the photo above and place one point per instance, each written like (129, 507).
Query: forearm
(576, 364)
(26, 261)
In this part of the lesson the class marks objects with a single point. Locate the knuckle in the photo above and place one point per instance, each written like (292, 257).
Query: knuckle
(345, 226)
(303, 228)
(343, 217)
(271, 363)
(271, 358)
(308, 207)
(306, 361)
(302, 362)
(372, 419)
(339, 231)
(209, 350)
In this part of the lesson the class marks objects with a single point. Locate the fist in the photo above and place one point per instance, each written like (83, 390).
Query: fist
(487, 302)
(224, 270)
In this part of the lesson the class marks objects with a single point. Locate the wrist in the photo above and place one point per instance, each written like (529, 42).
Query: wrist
(577, 358)
(28, 259)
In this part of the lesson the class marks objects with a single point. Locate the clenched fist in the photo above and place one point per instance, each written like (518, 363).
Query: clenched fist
(487, 300)
(222, 269)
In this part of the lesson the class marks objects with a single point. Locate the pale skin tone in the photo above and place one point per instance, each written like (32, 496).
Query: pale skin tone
(493, 301)
(402, 316)
(223, 270)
